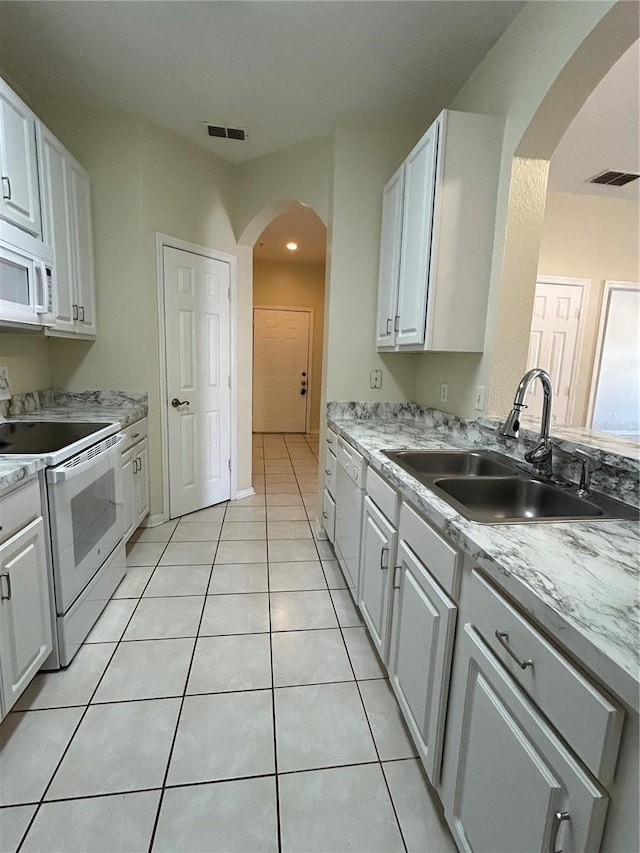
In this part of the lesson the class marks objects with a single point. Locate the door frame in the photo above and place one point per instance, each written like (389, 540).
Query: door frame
(585, 284)
(166, 241)
(609, 286)
(309, 311)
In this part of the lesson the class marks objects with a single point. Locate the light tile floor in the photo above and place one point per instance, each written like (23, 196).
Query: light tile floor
(228, 699)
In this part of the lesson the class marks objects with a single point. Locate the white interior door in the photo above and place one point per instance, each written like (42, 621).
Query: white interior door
(280, 370)
(198, 380)
(616, 380)
(552, 345)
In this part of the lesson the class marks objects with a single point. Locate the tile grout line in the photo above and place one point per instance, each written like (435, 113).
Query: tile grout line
(82, 717)
(182, 701)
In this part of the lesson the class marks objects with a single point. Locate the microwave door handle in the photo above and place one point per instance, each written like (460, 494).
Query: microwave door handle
(62, 474)
(41, 288)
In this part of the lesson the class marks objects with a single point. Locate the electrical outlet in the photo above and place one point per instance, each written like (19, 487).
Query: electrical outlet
(444, 392)
(375, 379)
(479, 401)
(5, 390)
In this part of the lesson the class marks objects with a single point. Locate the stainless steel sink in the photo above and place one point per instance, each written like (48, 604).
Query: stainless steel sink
(490, 488)
(500, 499)
(438, 463)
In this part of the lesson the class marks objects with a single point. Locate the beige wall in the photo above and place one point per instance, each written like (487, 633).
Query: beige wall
(594, 238)
(27, 358)
(366, 152)
(296, 286)
(145, 179)
(537, 76)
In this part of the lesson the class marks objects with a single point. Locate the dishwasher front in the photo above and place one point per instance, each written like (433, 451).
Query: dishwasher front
(350, 489)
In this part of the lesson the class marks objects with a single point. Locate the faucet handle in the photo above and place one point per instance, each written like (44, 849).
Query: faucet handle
(589, 465)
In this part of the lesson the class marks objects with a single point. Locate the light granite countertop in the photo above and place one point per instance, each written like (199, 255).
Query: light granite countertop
(122, 408)
(578, 580)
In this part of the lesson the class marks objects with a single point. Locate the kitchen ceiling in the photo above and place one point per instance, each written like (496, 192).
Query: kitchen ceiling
(604, 135)
(280, 70)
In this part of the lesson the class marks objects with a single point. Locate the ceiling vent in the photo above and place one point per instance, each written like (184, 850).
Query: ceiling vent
(221, 132)
(614, 179)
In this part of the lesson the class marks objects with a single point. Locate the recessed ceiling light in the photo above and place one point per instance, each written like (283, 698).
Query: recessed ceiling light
(292, 246)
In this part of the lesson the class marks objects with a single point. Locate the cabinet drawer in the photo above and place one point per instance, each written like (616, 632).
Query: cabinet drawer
(435, 552)
(18, 508)
(383, 495)
(329, 515)
(353, 462)
(330, 472)
(332, 441)
(590, 721)
(135, 433)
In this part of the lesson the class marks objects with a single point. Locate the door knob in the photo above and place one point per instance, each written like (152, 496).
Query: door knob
(175, 402)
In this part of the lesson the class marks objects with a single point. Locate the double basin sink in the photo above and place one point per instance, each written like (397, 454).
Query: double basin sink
(488, 487)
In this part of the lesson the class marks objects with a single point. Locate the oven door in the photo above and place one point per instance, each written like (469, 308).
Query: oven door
(87, 516)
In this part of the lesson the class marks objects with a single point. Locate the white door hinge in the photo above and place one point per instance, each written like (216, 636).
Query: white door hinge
(229, 381)
(229, 294)
(229, 464)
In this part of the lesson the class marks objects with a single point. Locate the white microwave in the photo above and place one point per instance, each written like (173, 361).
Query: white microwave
(26, 279)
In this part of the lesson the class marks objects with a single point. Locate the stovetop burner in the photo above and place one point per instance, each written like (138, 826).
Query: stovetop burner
(26, 437)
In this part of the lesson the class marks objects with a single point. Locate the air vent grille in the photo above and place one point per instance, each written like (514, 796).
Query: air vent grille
(221, 132)
(613, 178)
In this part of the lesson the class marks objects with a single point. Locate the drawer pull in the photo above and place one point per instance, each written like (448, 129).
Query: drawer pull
(136, 435)
(382, 553)
(327, 472)
(7, 577)
(503, 638)
(558, 818)
(324, 515)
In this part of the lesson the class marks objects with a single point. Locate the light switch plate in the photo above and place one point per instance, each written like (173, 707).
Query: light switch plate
(479, 401)
(5, 389)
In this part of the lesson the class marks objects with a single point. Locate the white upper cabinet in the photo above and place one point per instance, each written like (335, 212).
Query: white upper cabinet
(390, 237)
(20, 203)
(66, 214)
(435, 255)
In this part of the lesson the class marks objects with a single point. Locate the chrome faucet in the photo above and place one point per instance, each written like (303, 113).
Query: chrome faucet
(540, 456)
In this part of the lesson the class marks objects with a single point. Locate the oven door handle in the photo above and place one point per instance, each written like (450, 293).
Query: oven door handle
(63, 473)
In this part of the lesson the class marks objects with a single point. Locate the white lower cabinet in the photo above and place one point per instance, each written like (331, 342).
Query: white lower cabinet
(377, 562)
(422, 634)
(25, 613)
(510, 785)
(135, 473)
(141, 480)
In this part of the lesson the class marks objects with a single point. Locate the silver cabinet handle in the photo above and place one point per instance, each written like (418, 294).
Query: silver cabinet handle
(7, 577)
(389, 322)
(558, 818)
(396, 323)
(75, 311)
(324, 515)
(175, 402)
(382, 553)
(6, 196)
(136, 435)
(81, 307)
(503, 638)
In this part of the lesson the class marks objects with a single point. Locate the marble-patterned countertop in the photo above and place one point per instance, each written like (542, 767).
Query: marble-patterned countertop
(90, 406)
(578, 580)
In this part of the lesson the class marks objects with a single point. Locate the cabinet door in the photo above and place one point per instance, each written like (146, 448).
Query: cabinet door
(141, 480)
(25, 613)
(20, 202)
(377, 562)
(389, 269)
(508, 779)
(417, 221)
(129, 493)
(57, 224)
(422, 636)
(80, 191)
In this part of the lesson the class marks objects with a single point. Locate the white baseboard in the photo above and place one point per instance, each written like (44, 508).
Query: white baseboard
(155, 520)
(244, 493)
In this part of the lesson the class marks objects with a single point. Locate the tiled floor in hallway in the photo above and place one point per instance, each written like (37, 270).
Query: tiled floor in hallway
(227, 700)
